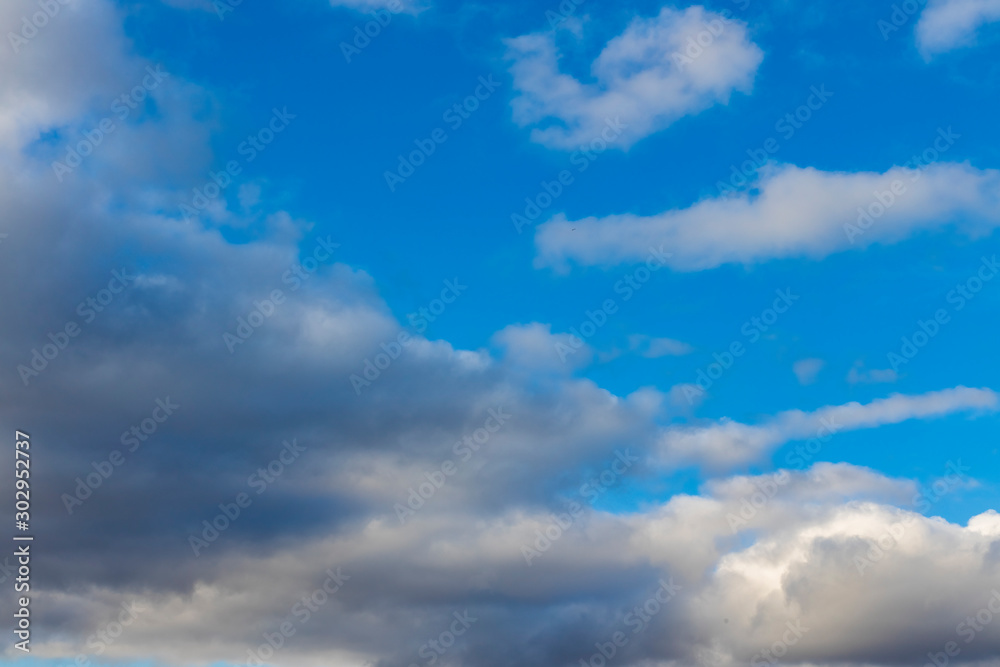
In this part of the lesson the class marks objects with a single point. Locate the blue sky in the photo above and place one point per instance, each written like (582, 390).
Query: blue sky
(666, 124)
(453, 216)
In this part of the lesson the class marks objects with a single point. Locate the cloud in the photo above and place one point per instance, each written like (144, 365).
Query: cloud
(727, 443)
(644, 77)
(534, 346)
(653, 348)
(859, 374)
(793, 212)
(949, 24)
(394, 6)
(870, 583)
(806, 370)
(364, 453)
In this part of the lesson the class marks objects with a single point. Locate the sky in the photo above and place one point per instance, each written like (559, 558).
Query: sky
(418, 332)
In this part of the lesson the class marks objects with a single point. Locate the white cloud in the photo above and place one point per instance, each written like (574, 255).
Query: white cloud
(653, 348)
(806, 370)
(859, 374)
(948, 24)
(795, 212)
(534, 346)
(642, 76)
(728, 443)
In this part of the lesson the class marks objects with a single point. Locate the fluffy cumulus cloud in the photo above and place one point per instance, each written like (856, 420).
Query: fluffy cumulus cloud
(792, 212)
(450, 509)
(948, 24)
(660, 69)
